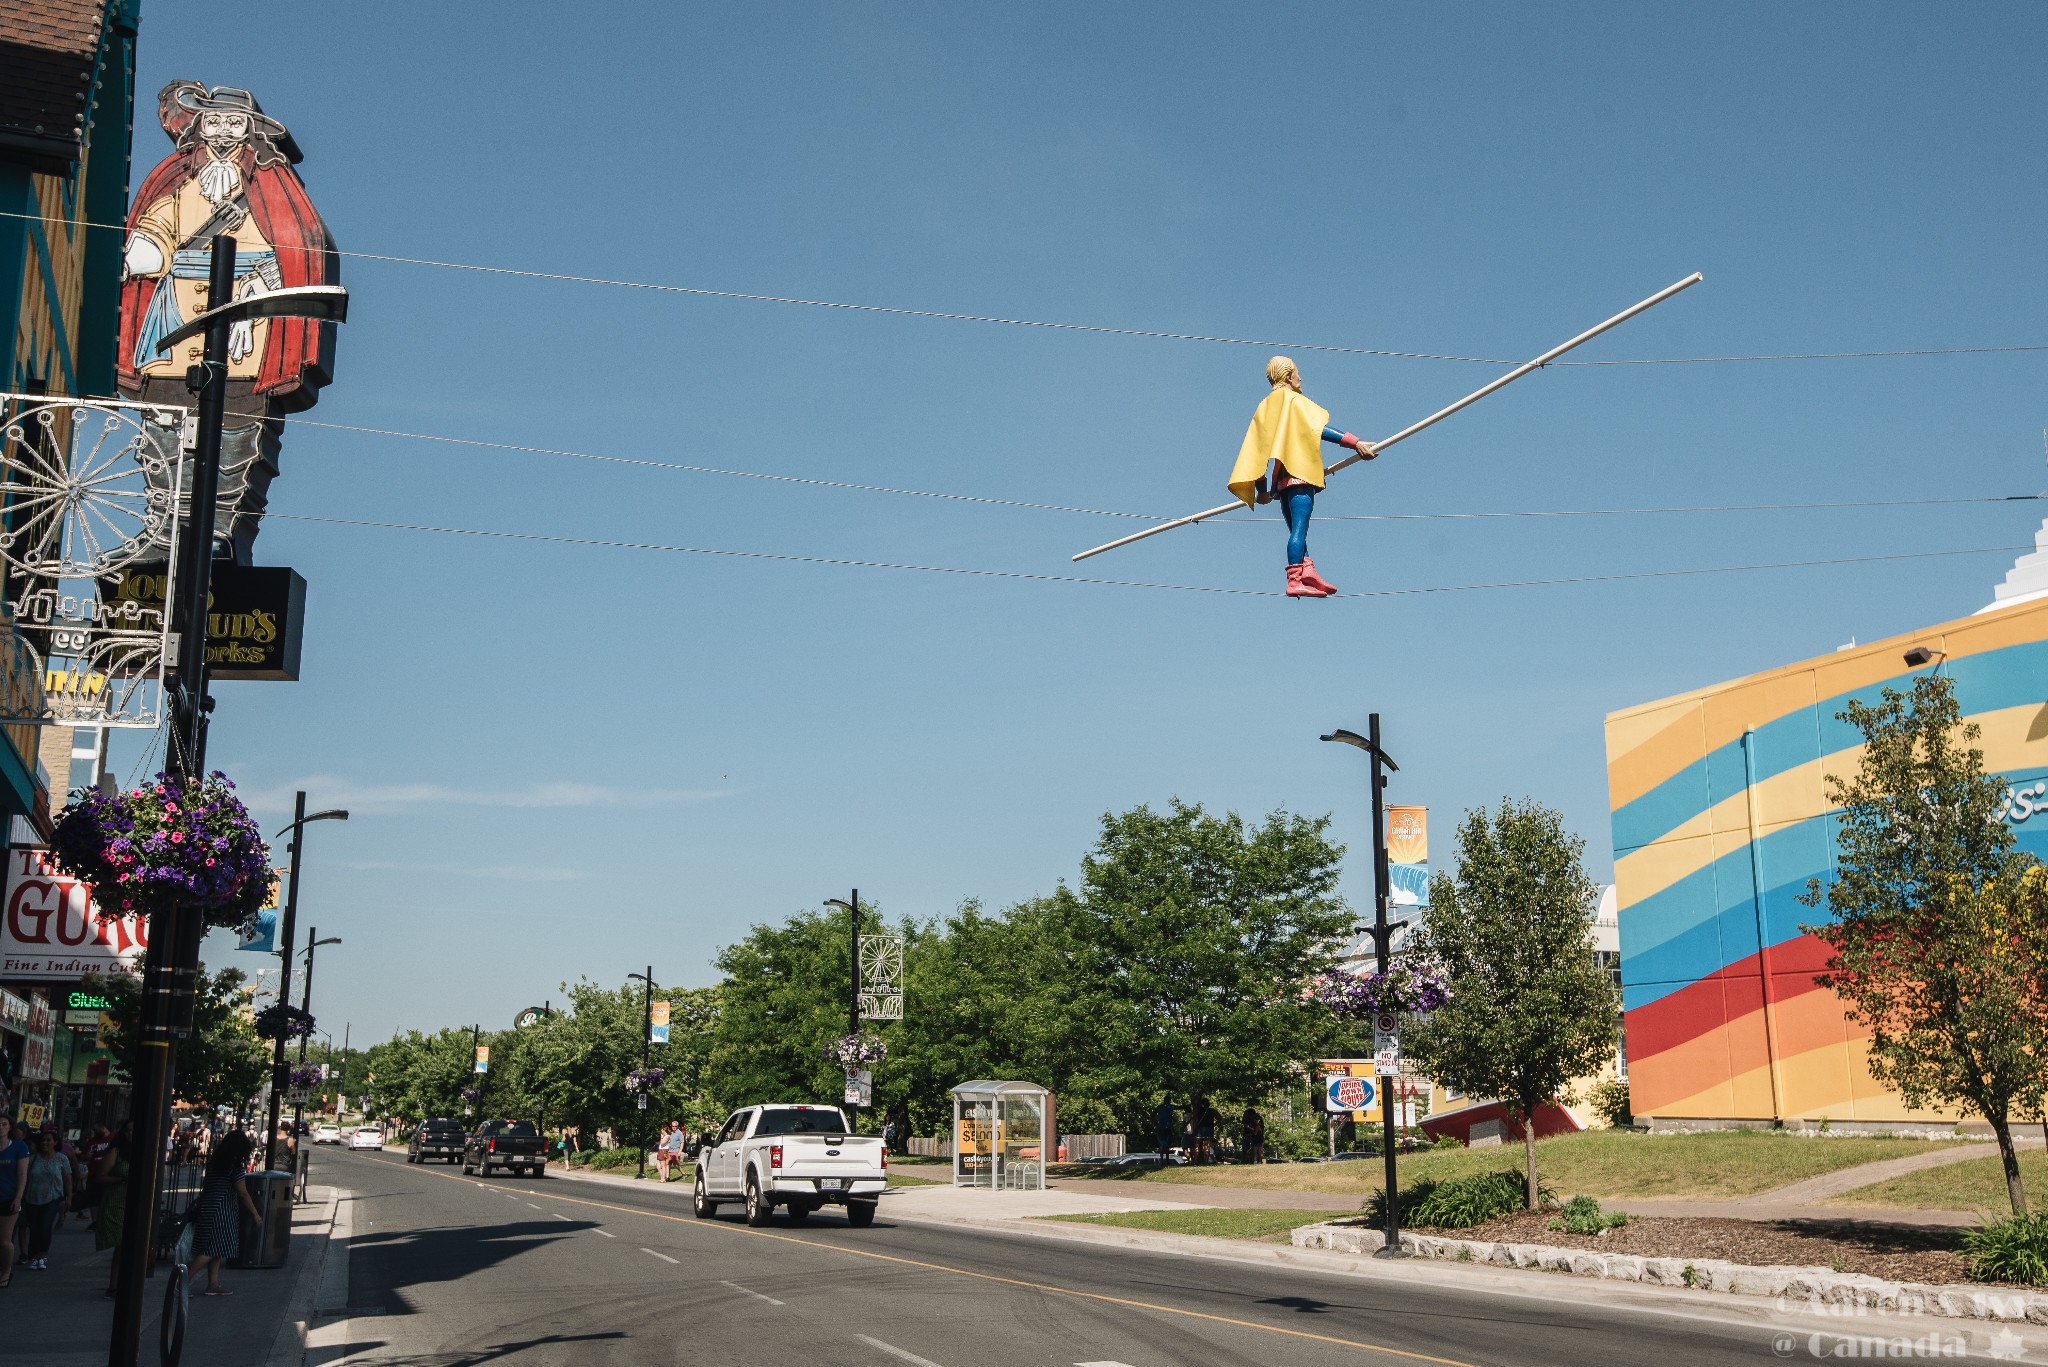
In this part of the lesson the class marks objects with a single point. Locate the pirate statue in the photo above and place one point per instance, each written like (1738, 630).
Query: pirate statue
(1281, 462)
(229, 175)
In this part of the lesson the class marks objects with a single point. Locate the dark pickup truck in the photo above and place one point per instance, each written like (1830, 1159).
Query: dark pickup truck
(436, 1139)
(513, 1145)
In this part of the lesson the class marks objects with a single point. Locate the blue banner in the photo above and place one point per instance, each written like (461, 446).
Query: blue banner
(260, 935)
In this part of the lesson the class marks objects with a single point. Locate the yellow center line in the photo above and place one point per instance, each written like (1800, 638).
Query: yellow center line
(725, 1228)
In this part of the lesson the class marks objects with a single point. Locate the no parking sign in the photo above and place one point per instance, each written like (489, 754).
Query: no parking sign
(1350, 1093)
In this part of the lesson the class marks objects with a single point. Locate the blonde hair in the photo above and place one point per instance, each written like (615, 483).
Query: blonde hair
(1280, 370)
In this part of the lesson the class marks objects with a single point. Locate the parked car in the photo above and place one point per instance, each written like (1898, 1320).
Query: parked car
(367, 1137)
(327, 1134)
(437, 1139)
(513, 1145)
(794, 1156)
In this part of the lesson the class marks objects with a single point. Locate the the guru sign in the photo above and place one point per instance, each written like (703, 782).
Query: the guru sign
(50, 929)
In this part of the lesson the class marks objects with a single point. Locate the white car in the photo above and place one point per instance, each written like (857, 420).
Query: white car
(366, 1137)
(796, 1157)
(327, 1134)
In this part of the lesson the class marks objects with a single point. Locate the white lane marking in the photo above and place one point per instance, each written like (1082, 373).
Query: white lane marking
(663, 1256)
(1102, 1364)
(557, 1214)
(535, 1207)
(608, 1236)
(893, 1351)
(755, 1294)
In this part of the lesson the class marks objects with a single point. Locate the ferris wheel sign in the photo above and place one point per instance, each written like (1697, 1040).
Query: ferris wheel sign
(90, 489)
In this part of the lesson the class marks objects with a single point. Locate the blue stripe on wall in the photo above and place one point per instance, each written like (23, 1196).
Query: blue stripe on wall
(2008, 677)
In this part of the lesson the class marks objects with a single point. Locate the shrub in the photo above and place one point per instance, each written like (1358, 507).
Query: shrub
(1582, 1215)
(1609, 1100)
(1456, 1204)
(1447, 1141)
(622, 1157)
(2014, 1249)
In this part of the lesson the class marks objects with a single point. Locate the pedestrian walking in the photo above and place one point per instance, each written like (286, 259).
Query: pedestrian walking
(87, 1185)
(49, 1192)
(1252, 1135)
(217, 1215)
(671, 1151)
(109, 1217)
(14, 1157)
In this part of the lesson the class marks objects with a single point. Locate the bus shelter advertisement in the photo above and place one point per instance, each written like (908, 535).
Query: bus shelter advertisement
(51, 930)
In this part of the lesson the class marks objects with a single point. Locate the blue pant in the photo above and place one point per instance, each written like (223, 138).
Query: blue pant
(1296, 504)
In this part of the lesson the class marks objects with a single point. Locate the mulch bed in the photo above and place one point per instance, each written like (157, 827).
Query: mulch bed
(1894, 1252)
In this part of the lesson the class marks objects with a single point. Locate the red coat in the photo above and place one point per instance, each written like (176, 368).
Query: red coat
(299, 358)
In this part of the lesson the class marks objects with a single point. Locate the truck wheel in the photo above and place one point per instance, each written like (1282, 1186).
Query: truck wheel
(759, 1207)
(701, 1204)
(860, 1214)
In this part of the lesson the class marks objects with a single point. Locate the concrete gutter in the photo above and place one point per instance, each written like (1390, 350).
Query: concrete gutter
(316, 1221)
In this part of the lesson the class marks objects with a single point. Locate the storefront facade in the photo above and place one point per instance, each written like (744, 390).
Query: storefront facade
(1720, 819)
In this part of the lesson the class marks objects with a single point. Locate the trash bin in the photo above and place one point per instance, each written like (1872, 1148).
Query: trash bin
(267, 1236)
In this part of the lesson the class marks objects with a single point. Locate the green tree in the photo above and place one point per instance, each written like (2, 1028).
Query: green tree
(1512, 933)
(1940, 933)
(1176, 966)
(222, 1062)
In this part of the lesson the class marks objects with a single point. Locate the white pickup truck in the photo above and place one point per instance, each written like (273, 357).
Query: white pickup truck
(796, 1157)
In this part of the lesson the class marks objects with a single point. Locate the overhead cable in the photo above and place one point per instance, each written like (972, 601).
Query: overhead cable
(608, 544)
(678, 467)
(702, 292)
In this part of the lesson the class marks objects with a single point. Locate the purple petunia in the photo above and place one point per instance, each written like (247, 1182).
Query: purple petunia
(176, 843)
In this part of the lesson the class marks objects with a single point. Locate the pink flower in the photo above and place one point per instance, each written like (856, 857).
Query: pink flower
(177, 837)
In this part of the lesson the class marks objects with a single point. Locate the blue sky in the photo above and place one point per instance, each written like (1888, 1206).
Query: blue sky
(568, 760)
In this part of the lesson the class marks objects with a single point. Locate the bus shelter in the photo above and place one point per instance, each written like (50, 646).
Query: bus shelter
(1001, 1135)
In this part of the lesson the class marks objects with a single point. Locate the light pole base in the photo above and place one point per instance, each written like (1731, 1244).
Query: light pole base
(1393, 1250)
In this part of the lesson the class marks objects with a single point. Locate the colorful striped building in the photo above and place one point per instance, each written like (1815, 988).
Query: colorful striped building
(1720, 819)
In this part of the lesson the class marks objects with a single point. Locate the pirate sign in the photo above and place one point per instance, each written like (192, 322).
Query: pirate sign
(231, 175)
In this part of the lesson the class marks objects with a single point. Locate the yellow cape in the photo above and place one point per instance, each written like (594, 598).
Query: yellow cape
(1287, 428)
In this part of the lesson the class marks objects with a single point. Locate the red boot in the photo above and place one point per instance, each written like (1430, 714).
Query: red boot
(1311, 580)
(1298, 587)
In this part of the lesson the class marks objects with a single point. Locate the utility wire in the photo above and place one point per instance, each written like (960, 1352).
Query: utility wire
(654, 287)
(1122, 583)
(645, 464)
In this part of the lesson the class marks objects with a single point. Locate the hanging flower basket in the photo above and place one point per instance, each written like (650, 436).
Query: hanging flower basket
(1400, 991)
(281, 1022)
(305, 1077)
(852, 1052)
(174, 842)
(472, 1095)
(638, 1081)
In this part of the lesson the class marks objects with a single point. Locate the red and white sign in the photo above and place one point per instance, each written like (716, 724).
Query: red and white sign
(50, 929)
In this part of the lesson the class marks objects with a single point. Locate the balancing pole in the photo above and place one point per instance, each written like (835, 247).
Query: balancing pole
(1517, 373)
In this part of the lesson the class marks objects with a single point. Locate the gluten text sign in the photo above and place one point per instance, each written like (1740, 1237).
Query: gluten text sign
(50, 929)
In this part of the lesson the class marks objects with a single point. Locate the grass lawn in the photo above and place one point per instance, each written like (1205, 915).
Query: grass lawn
(1217, 1224)
(1977, 1184)
(1608, 1164)
(904, 1179)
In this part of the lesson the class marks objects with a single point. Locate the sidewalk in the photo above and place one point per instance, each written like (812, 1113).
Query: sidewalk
(62, 1318)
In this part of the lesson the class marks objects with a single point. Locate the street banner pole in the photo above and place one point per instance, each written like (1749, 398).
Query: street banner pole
(1474, 397)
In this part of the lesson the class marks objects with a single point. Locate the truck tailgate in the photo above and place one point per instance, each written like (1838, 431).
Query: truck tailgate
(810, 1155)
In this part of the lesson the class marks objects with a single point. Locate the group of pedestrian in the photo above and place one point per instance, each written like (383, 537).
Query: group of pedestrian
(674, 1148)
(41, 1177)
(1194, 1136)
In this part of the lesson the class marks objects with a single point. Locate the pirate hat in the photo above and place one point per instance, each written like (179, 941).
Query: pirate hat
(228, 99)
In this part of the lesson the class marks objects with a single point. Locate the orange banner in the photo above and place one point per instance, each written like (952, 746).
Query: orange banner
(1408, 835)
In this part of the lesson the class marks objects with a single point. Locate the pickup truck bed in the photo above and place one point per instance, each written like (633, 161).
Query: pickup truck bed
(505, 1146)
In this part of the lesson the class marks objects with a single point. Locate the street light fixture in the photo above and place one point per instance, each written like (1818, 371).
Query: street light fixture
(300, 820)
(1382, 935)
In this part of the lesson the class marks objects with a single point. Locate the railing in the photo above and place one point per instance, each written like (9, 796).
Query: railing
(1078, 1146)
(180, 1189)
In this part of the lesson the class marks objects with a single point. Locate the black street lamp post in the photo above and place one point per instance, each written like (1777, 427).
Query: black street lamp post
(646, 1056)
(1382, 932)
(171, 964)
(286, 933)
(313, 942)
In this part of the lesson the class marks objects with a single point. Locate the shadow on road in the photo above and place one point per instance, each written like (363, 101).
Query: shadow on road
(383, 1266)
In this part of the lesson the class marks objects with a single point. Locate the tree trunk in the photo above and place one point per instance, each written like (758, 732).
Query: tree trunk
(2011, 1158)
(1529, 1150)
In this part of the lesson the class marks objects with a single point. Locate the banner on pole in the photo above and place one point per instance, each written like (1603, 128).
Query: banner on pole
(483, 1058)
(1408, 855)
(657, 1023)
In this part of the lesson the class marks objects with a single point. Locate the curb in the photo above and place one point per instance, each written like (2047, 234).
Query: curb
(1805, 1285)
(288, 1347)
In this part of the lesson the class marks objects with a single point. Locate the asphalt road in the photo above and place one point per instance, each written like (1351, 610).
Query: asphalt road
(447, 1271)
